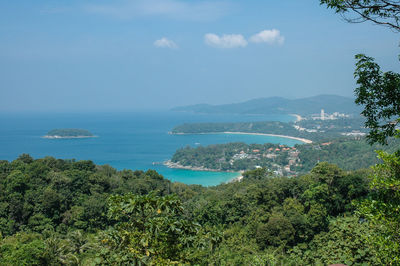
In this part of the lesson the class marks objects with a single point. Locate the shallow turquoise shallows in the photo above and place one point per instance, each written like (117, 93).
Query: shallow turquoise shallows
(125, 140)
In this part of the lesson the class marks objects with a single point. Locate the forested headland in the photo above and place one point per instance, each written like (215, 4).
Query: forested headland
(347, 153)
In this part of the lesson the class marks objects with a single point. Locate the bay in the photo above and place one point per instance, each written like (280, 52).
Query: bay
(134, 140)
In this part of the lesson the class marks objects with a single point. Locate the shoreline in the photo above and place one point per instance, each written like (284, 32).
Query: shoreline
(67, 137)
(307, 141)
(236, 179)
(172, 165)
(298, 117)
(272, 135)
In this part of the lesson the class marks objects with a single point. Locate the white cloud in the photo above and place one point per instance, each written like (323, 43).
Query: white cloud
(268, 36)
(225, 41)
(165, 43)
(176, 9)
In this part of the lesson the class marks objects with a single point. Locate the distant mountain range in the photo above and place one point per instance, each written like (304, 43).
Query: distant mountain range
(279, 105)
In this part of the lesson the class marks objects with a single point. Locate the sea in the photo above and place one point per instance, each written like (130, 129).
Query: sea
(130, 140)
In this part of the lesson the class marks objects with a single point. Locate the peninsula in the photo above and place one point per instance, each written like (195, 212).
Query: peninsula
(349, 153)
(68, 133)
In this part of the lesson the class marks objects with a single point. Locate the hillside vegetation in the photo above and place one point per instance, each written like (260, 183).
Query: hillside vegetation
(66, 212)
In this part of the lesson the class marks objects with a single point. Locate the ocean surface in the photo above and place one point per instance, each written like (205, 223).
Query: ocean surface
(134, 140)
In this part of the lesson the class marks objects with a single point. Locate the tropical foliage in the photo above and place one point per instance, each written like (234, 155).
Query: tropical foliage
(60, 212)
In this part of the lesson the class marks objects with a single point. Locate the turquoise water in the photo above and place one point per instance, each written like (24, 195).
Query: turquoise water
(125, 140)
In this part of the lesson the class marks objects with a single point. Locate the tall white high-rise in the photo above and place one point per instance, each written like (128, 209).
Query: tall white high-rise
(322, 114)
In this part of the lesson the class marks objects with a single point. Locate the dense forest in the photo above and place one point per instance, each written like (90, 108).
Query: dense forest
(66, 212)
(347, 153)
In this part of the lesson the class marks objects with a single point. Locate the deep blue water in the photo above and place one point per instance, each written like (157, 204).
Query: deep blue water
(125, 140)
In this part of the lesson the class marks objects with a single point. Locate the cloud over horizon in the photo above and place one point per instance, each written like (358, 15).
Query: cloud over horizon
(268, 36)
(225, 41)
(165, 43)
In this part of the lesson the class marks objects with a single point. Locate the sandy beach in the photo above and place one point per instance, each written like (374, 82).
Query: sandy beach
(298, 117)
(248, 133)
(237, 179)
(272, 135)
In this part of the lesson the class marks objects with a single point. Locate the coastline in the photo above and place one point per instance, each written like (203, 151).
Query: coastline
(67, 137)
(236, 179)
(298, 117)
(272, 135)
(307, 141)
(173, 165)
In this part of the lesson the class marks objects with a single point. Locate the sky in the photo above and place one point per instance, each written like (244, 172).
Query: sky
(126, 55)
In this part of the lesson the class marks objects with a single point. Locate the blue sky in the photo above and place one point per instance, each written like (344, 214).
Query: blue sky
(124, 55)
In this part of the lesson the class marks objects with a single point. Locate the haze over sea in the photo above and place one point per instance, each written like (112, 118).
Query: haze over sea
(125, 140)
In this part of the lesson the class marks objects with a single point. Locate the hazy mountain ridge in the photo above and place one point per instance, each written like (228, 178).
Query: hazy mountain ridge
(279, 105)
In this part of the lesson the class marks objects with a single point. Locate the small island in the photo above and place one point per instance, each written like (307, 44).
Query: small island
(68, 133)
